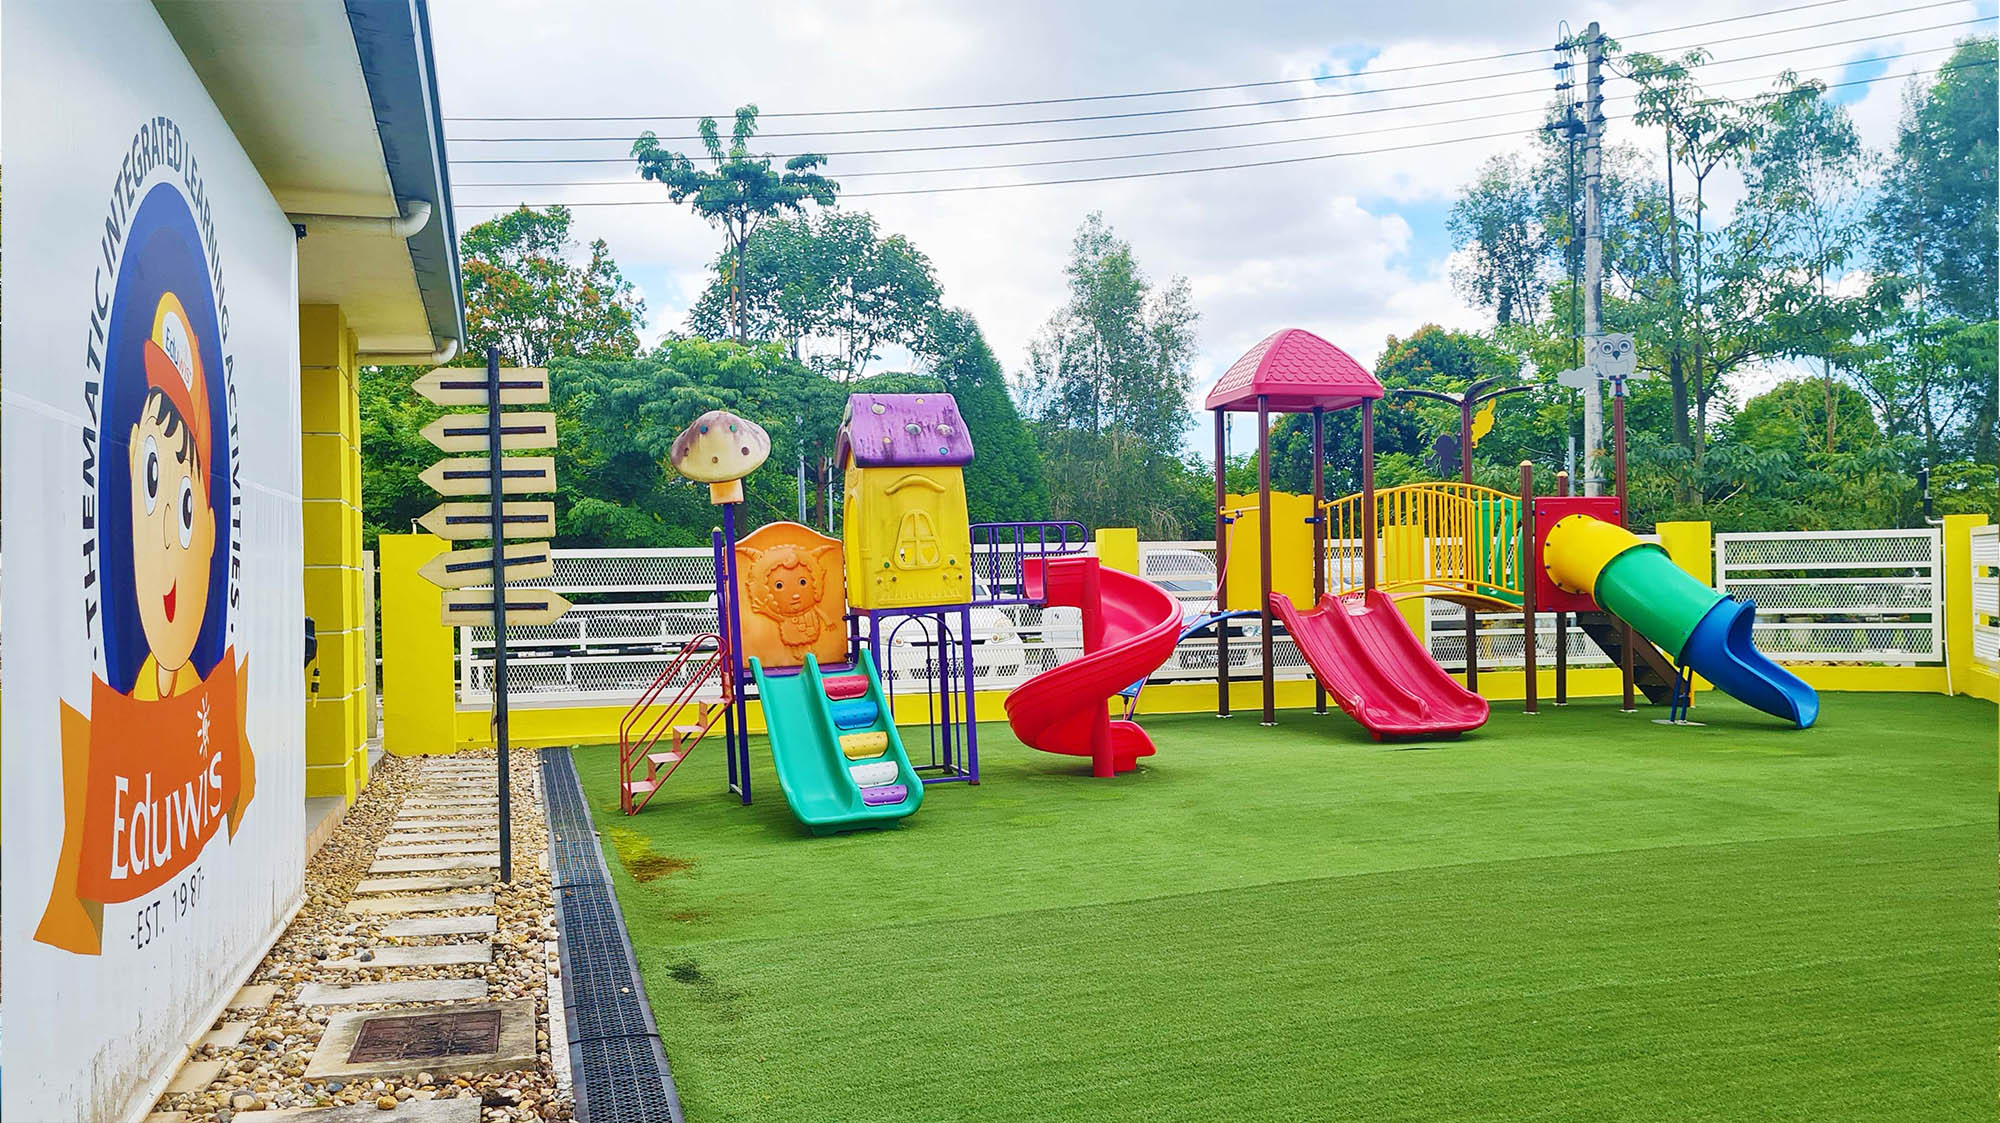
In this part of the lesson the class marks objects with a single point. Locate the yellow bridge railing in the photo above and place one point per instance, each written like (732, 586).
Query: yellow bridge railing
(1434, 539)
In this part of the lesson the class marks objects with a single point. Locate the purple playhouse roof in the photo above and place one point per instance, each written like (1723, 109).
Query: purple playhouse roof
(903, 431)
(1298, 371)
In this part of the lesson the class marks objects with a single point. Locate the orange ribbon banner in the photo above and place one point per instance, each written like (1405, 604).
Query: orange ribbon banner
(145, 786)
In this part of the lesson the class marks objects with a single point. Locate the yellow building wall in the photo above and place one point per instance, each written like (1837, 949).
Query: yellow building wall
(330, 485)
(1291, 549)
(907, 537)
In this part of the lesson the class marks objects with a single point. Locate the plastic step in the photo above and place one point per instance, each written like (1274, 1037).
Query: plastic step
(892, 793)
(873, 774)
(641, 787)
(688, 732)
(839, 687)
(661, 760)
(853, 713)
(864, 746)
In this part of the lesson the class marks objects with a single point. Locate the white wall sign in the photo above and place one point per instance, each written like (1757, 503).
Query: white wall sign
(154, 777)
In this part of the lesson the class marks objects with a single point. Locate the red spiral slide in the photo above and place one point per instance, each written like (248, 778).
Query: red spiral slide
(1377, 668)
(1130, 627)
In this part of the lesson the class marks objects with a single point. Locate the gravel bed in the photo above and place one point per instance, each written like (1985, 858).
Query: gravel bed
(267, 1069)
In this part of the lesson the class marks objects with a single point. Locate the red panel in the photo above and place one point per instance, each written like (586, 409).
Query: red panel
(1377, 668)
(1549, 510)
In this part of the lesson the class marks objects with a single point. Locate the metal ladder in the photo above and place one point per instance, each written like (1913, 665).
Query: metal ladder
(648, 721)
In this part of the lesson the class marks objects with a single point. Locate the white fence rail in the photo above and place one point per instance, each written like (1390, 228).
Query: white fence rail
(1986, 595)
(1847, 596)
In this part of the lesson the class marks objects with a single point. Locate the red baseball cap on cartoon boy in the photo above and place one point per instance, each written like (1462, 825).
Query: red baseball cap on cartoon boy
(173, 367)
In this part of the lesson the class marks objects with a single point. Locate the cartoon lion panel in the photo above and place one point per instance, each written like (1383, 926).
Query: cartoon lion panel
(791, 584)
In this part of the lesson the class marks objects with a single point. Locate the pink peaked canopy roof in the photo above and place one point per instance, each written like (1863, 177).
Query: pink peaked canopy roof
(1298, 371)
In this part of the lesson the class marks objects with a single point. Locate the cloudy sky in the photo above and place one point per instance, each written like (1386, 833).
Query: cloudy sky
(1354, 248)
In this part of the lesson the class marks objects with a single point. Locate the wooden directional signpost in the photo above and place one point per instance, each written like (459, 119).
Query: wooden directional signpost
(477, 591)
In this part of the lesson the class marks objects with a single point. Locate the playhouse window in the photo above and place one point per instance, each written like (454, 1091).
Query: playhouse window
(917, 541)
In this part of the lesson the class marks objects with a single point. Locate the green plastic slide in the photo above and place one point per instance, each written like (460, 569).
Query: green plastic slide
(814, 769)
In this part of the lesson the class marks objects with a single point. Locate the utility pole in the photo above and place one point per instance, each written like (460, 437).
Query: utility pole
(1593, 251)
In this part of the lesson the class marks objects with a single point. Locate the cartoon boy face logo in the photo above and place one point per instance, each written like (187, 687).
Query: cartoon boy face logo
(173, 518)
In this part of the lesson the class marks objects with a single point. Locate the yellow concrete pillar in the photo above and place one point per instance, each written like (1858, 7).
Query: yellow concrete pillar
(1402, 564)
(418, 696)
(1690, 545)
(1118, 548)
(330, 485)
(1291, 549)
(1957, 563)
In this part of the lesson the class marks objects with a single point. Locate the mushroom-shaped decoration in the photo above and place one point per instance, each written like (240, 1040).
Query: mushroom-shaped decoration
(719, 449)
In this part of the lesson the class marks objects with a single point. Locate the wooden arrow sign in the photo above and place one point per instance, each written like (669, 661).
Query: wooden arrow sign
(461, 569)
(468, 386)
(473, 475)
(467, 432)
(525, 608)
(463, 521)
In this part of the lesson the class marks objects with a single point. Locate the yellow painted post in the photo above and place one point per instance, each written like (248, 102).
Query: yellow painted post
(1118, 548)
(1291, 549)
(1690, 545)
(330, 485)
(1957, 563)
(418, 704)
(1403, 565)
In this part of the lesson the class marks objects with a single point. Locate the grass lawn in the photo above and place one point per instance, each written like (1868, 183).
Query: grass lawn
(1579, 916)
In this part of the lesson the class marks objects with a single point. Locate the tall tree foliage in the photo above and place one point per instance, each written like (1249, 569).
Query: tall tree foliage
(738, 191)
(527, 294)
(1500, 221)
(1107, 390)
(829, 286)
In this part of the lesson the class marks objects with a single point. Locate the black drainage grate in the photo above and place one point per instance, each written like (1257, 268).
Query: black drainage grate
(620, 1071)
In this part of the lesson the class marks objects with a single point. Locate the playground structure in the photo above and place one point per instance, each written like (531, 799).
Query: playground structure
(1480, 548)
(814, 624)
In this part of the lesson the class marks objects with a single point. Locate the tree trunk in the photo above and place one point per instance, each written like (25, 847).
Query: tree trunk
(736, 288)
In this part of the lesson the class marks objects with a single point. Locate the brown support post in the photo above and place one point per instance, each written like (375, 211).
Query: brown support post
(1368, 494)
(1618, 489)
(1562, 618)
(1319, 532)
(1465, 473)
(1221, 565)
(1528, 589)
(1264, 554)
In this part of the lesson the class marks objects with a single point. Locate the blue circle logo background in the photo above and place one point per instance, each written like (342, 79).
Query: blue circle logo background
(163, 254)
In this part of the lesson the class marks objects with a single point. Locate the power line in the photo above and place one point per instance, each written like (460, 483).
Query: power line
(1537, 91)
(1179, 171)
(1327, 96)
(1142, 93)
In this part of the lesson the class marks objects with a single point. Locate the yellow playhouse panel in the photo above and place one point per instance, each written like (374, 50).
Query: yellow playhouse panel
(907, 532)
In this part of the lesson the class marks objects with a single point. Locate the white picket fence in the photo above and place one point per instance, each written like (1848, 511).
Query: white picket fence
(1837, 596)
(1848, 596)
(1986, 595)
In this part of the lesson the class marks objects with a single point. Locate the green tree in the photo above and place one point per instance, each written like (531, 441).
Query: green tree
(829, 286)
(527, 295)
(1933, 229)
(1107, 390)
(738, 192)
(1802, 201)
(1500, 221)
(1004, 483)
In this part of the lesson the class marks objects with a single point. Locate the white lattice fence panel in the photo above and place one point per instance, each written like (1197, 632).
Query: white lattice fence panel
(1855, 596)
(684, 570)
(1500, 640)
(1986, 595)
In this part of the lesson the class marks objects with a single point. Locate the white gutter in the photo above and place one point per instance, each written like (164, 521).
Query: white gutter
(416, 216)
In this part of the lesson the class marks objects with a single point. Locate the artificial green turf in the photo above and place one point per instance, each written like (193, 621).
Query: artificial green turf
(1581, 916)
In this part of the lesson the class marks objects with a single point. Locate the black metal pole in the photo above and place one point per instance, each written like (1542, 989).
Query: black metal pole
(493, 460)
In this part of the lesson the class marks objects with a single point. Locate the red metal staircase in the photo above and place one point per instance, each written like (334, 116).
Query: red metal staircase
(682, 722)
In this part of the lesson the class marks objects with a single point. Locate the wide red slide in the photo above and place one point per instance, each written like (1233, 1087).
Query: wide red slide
(1130, 627)
(1377, 669)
